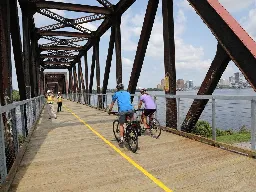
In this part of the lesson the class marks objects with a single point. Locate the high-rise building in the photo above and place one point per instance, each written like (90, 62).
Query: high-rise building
(180, 84)
(159, 86)
(162, 83)
(191, 84)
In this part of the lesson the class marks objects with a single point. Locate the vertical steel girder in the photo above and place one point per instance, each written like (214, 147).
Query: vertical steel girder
(86, 77)
(17, 48)
(74, 79)
(5, 54)
(143, 43)
(117, 24)
(218, 66)
(33, 63)
(169, 61)
(79, 75)
(70, 80)
(92, 70)
(97, 60)
(26, 49)
(109, 60)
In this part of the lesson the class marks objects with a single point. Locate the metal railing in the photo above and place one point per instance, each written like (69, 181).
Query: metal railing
(222, 111)
(16, 121)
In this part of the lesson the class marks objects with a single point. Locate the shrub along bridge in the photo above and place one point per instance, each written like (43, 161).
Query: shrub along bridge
(73, 144)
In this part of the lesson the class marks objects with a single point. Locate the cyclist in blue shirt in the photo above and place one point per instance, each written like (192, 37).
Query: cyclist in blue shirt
(125, 107)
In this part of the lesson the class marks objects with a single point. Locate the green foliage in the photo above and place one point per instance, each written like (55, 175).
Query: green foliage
(15, 95)
(243, 129)
(202, 128)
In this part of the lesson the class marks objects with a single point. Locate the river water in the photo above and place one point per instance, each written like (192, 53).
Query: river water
(230, 114)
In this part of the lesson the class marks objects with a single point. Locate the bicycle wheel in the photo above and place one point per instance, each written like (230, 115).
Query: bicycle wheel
(116, 130)
(155, 128)
(132, 138)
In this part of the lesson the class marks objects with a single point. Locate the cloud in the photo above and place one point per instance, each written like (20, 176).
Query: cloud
(127, 62)
(249, 23)
(236, 5)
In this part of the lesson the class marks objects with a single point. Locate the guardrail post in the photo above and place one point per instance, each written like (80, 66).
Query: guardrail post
(3, 168)
(213, 120)
(253, 124)
(178, 115)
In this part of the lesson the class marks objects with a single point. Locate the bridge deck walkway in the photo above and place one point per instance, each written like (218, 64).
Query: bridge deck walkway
(66, 155)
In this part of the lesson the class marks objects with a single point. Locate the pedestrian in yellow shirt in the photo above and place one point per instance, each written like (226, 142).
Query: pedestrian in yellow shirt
(50, 108)
(59, 101)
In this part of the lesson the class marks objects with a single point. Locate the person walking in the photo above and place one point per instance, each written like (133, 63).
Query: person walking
(50, 108)
(59, 101)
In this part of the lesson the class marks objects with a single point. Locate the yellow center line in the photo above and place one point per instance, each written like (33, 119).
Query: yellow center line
(145, 172)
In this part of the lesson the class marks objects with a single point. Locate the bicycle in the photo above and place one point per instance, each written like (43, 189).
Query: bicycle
(154, 125)
(130, 132)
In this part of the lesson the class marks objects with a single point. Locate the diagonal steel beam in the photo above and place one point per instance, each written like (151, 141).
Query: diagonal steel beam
(72, 7)
(67, 22)
(52, 27)
(109, 60)
(17, 49)
(218, 66)
(143, 43)
(88, 19)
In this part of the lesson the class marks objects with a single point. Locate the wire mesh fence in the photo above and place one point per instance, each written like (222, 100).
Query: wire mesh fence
(16, 122)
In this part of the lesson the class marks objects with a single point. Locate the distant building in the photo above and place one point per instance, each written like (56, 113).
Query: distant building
(180, 84)
(159, 86)
(191, 84)
(231, 80)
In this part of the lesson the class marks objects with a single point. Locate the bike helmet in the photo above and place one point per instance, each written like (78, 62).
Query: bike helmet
(48, 91)
(120, 86)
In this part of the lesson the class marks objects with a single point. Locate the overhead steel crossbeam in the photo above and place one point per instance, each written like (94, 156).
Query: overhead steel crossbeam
(62, 42)
(56, 63)
(67, 22)
(106, 4)
(44, 48)
(72, 7)
(64, 33)
(56, 56)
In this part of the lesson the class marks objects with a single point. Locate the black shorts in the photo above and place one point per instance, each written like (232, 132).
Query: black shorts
(148, 112)
(123, 115)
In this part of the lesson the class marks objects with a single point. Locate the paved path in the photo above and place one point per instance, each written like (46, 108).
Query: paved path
(65, 155)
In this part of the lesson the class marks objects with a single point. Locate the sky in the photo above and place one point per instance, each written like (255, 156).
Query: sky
(194, 43)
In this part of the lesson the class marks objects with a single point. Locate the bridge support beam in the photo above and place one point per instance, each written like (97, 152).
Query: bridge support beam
(86, 77)
(26, 49)
(97, 59)
(143, 43)
(218, 66)
(108, 62)
(75, 83)
(69, 82)
(92, 71)
(169, 62)
(79, 81)
(5, 54)
(17, 48)
(33, 63)
(117, 23)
